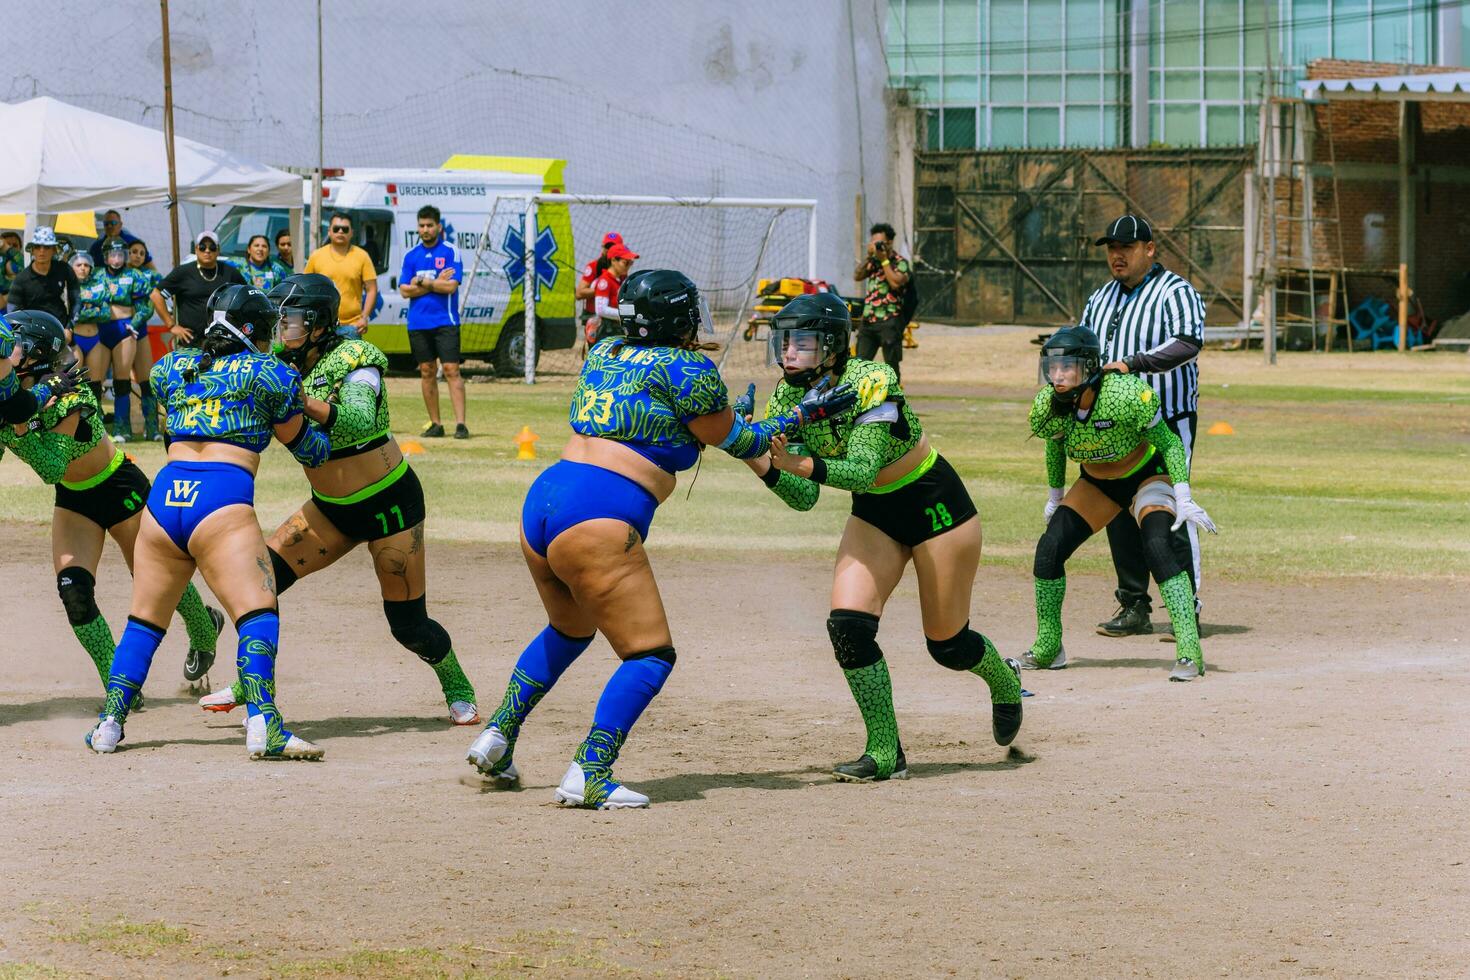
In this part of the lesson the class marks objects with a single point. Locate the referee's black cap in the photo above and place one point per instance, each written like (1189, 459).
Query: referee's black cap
(1127, 230)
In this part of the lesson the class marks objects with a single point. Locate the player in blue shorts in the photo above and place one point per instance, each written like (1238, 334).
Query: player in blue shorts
(222, 401)
(644, 406)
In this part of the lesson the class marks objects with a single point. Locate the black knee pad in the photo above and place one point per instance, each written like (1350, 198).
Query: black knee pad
(145, 388)
(960, 652)
(666, 654)
(1064, 534)
(412, 627)
(78, 594)
(1158, 545)
(854, 638)
(285, 576)
(121, 389)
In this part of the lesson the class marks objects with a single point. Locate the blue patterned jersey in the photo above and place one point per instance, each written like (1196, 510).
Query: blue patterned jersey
(92, 300)
(263, 277)
(10, 384)
(238, 400)
(644, 397)
(128, 287)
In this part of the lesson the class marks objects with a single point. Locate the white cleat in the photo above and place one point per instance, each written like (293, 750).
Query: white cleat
(295, 747)
(221, 700)
(464, 713)
(487, 750)
(573, 789)
(1029, 661)
(103, 738)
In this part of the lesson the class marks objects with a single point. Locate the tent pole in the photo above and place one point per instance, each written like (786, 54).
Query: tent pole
(314, 234)
(168, 136)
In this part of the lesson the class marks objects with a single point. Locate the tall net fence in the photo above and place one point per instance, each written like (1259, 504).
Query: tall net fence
(726, 248)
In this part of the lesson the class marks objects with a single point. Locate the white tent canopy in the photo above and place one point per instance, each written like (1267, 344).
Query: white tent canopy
(62, 158)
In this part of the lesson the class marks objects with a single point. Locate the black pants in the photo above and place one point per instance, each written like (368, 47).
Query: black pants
(885, 334)
(1126, 541)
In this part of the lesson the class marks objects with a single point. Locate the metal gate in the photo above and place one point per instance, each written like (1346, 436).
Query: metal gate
(1006, 236)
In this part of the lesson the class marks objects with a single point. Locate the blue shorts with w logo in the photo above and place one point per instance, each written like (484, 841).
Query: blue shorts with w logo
(186, 493)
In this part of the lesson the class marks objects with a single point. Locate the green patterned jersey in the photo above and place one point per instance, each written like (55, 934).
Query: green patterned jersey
(1125, 415)
(50, 453)
(143, 311)
(92, 302)
(263, 277)
(12, 260)
(10, 384)
(362, 409)
(878, 430)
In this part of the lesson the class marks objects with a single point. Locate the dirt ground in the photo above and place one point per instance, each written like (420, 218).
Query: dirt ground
(1300, 811)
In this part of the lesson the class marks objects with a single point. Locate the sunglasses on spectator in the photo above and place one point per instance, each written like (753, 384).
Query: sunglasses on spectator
(109, 224)
(345, 229)
(206, 247)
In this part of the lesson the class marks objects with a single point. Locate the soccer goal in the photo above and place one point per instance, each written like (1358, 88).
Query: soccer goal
(537, 246)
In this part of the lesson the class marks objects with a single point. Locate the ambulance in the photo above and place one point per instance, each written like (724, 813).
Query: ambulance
(481, 199)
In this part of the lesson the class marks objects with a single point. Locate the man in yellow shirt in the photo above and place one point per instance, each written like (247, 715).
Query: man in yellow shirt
(350, 268)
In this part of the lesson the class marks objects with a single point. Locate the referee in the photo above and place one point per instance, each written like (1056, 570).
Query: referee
(1150, 322)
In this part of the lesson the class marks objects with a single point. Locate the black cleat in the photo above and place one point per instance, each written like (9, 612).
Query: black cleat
(1005, 719)
(198, 662)
(1131, 620)
(865, 770)
(461, 431)
(433, 431)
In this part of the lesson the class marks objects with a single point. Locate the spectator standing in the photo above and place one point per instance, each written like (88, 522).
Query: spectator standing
(429, 280)
(112, 227)
(143, 352)
(606, 319)
(285, 254)
(595, 268)
(191, 285)
(259, 269)
(1150, 322)
(46, 284)
(12, 260)
(885, 276)
(351, 269)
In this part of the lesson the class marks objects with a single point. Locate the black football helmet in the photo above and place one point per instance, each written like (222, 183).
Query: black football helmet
(821, 319)
(661, 307)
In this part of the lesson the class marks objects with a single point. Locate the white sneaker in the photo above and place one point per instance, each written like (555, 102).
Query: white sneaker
(221, 700)
(487, 750)
(295, 747)
(573, 788)
(1030, 662)
(104, 737)
(464, 713)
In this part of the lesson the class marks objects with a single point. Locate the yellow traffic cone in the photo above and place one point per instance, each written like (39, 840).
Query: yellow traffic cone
(1221, 429)
(526, 443)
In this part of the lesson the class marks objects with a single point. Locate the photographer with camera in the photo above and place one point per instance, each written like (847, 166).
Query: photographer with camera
(885, 277)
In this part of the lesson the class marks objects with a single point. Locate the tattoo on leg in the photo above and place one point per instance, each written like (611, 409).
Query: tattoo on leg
(268, 575)
(395, 563)
(322, 552)
(417, 539)
(295, 528)
(632, 540)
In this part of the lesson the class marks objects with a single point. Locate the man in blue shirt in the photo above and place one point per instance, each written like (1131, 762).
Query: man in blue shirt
(112, 227)
(432, 271)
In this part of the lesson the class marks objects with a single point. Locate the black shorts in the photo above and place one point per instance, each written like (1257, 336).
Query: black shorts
(396, 507)
(117, 498)
(1122, 490)
(436, 344)
(923, 509)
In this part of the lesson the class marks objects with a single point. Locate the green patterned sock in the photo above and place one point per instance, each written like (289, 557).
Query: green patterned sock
(1005, 687)
(872, 689)
(96, 638)
(1178, 596)
(197, 621)
(452, 681)
(1049, 595)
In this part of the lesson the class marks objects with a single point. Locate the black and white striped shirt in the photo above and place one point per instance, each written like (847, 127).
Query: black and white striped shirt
(1162, 307)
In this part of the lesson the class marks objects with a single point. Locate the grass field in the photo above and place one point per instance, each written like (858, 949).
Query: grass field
(1338, 465)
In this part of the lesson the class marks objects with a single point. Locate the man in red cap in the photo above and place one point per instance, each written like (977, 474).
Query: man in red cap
(604, 302)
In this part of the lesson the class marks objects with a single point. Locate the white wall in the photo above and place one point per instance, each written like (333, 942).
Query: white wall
(641, 97)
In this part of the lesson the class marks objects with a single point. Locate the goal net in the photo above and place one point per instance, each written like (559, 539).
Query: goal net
(532, 251)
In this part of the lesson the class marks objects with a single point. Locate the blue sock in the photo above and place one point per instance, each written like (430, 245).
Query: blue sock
(130, 663)
(121, 406)
(629, 690)
(259, 632)
(540, 666)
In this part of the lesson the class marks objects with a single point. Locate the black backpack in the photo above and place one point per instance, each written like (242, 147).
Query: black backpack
(908, 300)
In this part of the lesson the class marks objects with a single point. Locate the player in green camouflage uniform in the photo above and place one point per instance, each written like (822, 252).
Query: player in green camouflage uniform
(143, 353)
(908, 504)
(1111, 425)
(99, 492)
(365, 492)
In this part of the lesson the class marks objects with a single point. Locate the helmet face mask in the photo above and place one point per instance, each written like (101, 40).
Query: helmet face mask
(306, 321)
(809, 336)
(1071, 361)
(40, 343)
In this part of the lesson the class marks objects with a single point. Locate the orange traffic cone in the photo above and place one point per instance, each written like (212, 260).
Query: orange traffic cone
(1221, 429)
(526, 443)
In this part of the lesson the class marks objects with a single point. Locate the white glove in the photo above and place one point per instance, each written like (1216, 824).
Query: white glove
(1053, 500)
(1185, 509)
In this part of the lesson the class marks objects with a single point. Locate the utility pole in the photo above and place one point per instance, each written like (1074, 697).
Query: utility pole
(1269, 133)
(168, 136)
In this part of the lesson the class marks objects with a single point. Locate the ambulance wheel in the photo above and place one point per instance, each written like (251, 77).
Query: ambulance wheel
(510, 349)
